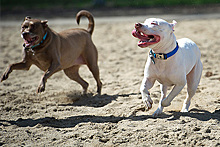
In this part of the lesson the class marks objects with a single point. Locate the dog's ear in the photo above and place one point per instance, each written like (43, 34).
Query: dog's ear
(27, 18)
(44, 23)
(173, 24)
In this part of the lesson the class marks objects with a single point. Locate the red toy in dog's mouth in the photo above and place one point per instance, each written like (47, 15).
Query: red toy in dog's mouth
(145, 40)
(29, 40)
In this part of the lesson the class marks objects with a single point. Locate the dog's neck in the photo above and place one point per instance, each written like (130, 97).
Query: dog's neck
(42, 41)
(165, 46)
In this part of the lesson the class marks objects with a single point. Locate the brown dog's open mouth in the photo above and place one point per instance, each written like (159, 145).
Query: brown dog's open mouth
(145, 40)
(29, 40)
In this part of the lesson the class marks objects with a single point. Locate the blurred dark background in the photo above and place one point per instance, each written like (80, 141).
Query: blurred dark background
(68, 8)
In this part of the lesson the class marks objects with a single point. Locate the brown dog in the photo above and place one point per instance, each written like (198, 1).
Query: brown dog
(51, 51)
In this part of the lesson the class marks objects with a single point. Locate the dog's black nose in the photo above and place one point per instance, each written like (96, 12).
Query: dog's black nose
(138, 25)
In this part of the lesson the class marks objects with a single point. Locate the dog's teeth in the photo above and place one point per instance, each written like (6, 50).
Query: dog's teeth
(152, 39)
(143, 41)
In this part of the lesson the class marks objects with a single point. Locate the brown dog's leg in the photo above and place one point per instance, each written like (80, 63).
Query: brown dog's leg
(54, 67)
(16, 66)
(95, 71)
(73, 74)
(91, 58)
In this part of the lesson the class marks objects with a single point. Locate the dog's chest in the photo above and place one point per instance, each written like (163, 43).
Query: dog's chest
(161, 73)
(41, 60)
(158, 68)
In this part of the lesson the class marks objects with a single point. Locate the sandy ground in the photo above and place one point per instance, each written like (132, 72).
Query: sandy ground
(61, 116)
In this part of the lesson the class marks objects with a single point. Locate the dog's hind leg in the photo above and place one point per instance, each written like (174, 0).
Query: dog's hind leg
(73, 74)
(95, 71)
(193, 79)
(91, 61)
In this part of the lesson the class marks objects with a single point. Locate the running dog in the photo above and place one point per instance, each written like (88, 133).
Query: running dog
(171, 62)
(52, 52)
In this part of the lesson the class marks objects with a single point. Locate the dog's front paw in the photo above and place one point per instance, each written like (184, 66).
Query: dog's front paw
(148, 102)
(41, 88)
(5, 75)
(185, 108)
(158, 111)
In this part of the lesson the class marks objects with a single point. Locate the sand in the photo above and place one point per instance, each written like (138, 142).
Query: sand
(62, 116)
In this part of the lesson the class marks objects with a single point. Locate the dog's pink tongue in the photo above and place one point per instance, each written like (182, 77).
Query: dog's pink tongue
(134, 33)
(27, 40)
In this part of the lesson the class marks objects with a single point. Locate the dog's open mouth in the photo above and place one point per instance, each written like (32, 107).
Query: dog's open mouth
(145, 40)
(29, 39)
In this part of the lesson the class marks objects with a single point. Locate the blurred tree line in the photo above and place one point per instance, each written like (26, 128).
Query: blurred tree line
(16, 4)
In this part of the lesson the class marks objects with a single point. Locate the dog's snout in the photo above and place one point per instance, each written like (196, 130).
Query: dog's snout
(24, 34)
(138, 25)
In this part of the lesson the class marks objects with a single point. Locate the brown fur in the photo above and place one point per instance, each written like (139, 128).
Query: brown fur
(66, 51)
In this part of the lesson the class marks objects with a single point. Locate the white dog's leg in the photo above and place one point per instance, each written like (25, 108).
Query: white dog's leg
(175, 91)
(145, 86)
(159, 110)
(193, 79)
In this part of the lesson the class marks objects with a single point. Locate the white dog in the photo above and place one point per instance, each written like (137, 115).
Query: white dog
(171, 62)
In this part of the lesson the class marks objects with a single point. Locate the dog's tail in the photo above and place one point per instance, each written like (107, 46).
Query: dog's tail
(89, 16)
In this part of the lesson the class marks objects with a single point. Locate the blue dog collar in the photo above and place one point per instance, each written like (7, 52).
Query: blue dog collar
(161, 55)
(30, 48)
(40, 42)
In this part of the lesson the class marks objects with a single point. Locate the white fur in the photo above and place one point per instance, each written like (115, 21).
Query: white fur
(183, 67)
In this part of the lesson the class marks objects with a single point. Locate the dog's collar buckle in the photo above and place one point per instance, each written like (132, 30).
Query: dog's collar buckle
(162, 56)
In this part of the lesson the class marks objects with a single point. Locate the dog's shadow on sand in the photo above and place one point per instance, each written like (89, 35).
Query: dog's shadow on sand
(202, 115)
(90, 100)
(72, 121)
